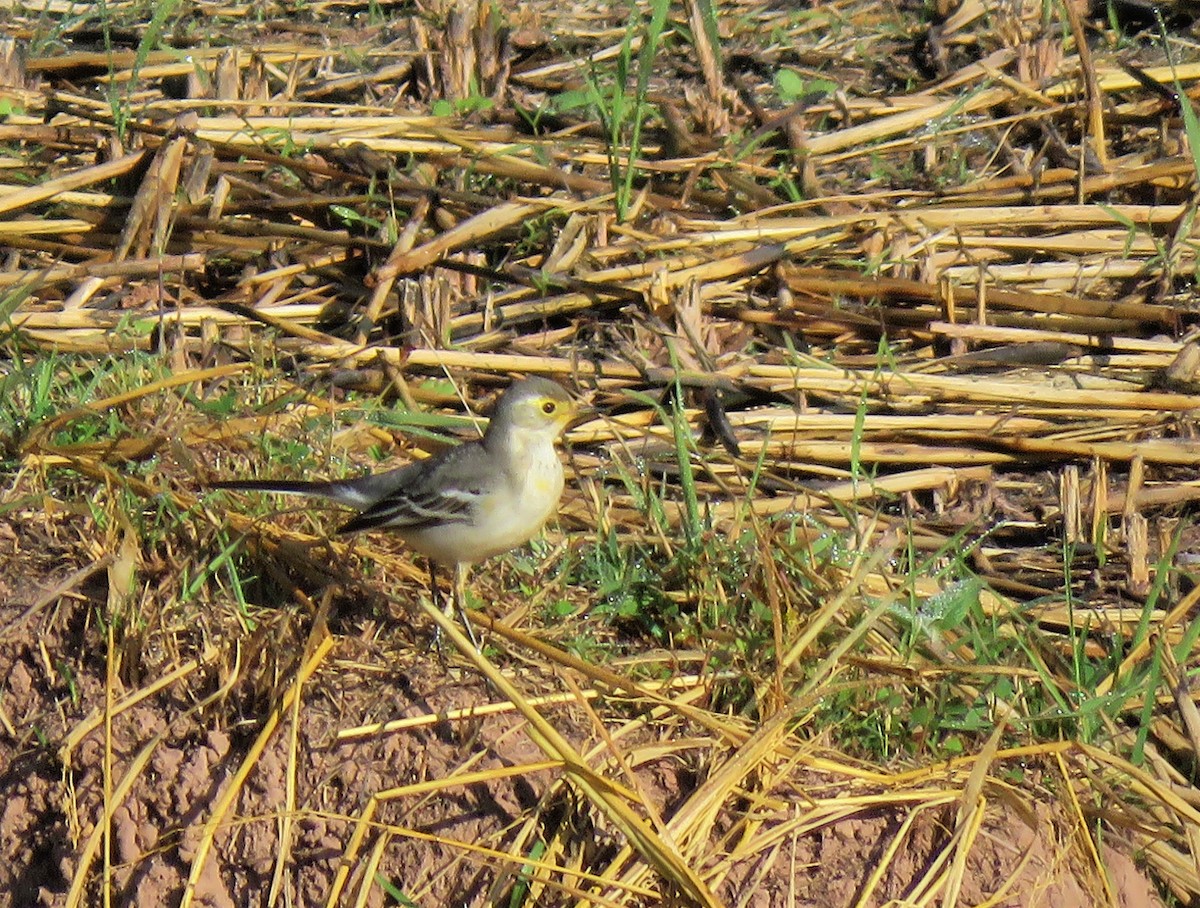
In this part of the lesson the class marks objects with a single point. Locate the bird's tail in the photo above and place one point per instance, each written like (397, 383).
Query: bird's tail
(340, 491)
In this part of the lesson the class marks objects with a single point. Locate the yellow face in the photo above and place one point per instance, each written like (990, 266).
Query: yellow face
(550, 412)
(534, 407)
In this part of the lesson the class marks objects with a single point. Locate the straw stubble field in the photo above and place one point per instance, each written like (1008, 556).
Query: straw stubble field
(873, 583)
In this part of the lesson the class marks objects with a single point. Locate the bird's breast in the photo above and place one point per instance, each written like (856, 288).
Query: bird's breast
(508, 515)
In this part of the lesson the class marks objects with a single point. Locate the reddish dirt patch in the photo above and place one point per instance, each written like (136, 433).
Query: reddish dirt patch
(53, 669)
(1018, 863)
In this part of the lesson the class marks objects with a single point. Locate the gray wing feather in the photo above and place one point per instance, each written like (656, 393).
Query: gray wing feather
(442, 489)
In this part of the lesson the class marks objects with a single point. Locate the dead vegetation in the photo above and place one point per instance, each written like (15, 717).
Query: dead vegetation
(874, 583)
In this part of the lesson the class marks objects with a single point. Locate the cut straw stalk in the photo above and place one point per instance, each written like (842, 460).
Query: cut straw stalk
(104, 61)
(682, 682)
(1035, 392)
(658, 850)
(1003, 335)
(189, 316)
(108, 271)
(968, 300)
(233, 787)
(33, 195)
(42, 227)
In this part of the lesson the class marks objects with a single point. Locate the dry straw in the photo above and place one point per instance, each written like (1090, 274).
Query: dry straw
(946, 327)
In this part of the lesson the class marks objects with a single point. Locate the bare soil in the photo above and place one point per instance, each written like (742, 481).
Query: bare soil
(51, 801)
(212, 768)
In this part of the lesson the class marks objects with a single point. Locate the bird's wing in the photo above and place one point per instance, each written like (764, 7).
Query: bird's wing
(443, 489)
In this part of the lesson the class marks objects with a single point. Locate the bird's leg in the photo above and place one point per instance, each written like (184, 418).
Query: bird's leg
(460, 592)
(434, 593)
(435, 596)
(460, 597)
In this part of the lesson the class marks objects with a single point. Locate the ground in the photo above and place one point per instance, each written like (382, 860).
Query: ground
(181, 749)
(874, 579)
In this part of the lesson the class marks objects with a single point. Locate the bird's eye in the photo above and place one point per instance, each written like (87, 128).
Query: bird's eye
(549, 407)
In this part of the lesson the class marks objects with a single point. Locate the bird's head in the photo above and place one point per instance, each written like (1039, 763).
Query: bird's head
(533, 406)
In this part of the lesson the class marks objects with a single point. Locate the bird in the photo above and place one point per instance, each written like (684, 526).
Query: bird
(467, 503)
